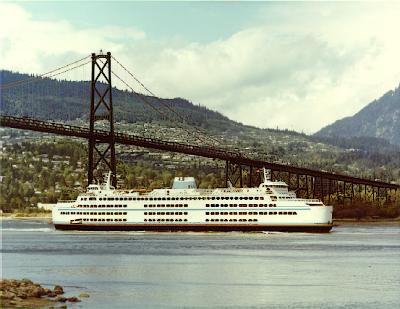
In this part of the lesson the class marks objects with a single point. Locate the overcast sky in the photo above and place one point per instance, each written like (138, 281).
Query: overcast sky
(289, 65)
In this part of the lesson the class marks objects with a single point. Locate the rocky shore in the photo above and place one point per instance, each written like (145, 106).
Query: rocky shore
(27, 294)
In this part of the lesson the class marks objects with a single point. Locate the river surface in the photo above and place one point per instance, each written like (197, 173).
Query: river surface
(354, 266)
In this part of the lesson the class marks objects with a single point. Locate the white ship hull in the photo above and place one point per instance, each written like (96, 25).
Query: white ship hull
(267, 208)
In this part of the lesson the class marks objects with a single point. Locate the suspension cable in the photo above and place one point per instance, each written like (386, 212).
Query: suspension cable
(35, 78)
(163, 103)
(70, 69)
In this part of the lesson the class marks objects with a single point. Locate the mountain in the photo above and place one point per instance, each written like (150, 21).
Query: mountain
(380, 118)
(63, 100)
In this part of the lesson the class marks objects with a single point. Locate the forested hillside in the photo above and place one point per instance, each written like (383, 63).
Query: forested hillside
(69, 100)
(380, 118)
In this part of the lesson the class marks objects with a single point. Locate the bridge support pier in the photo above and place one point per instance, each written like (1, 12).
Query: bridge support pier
(101, 151)
(233, 174)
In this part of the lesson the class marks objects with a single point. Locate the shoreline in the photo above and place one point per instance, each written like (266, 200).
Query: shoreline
(366, 221)
(37, 217)
(24, 293)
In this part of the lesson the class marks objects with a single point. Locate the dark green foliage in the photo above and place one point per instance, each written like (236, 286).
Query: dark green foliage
(362, 209)
(38, 173)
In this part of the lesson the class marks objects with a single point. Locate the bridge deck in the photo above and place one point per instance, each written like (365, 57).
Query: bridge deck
(203, 151)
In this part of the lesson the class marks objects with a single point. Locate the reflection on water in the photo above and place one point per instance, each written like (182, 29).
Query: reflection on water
(352, 267)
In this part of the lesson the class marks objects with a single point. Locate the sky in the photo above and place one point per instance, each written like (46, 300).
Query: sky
(294, 65)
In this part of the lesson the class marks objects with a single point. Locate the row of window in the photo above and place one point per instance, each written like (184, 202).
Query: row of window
(231, 220)
(179, 213)
(172, 198)
(102, 206)
(92, 213)
(165, 205)
(166, 213)
(104, 220)
(217, 213)
(178, 205)
(165, 220)
(240, 205)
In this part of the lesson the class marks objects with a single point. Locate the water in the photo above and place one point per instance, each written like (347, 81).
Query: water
(352, 267)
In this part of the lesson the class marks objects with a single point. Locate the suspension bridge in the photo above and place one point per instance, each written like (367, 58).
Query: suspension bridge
(240, 168)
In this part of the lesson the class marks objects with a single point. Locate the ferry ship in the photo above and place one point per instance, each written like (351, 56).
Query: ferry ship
(184, 207)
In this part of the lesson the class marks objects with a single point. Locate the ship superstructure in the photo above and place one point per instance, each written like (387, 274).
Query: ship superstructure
(269, 207)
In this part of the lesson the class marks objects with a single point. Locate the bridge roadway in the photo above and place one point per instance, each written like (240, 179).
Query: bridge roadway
(203, 151)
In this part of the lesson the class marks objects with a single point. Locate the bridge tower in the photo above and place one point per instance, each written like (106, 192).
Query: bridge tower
(101, 152)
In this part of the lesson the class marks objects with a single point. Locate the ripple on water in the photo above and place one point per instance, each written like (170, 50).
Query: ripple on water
(353, 267)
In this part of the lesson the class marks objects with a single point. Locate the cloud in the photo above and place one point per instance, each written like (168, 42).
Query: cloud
(291, 76)
(302, 69)
(29, 45)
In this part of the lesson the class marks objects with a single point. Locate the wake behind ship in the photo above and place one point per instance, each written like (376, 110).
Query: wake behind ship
(270, 207)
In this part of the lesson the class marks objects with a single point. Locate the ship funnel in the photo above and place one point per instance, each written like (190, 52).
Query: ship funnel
(107, 185)
(267, 175)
